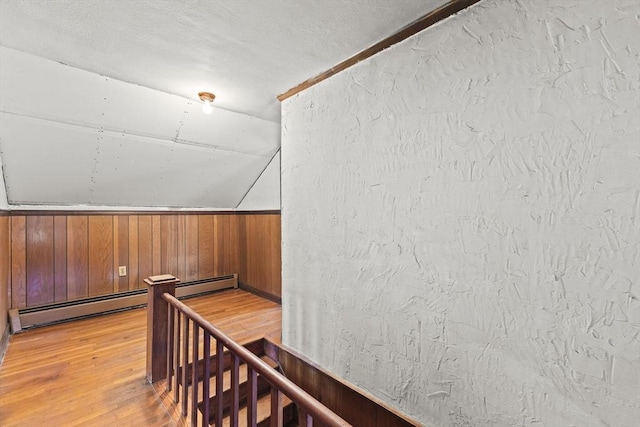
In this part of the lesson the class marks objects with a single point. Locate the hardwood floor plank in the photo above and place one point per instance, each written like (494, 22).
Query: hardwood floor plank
(92, 371)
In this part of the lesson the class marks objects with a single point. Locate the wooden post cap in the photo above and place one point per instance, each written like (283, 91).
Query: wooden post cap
(161, 279)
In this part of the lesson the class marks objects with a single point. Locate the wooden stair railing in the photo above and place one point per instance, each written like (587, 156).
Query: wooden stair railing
(182, 342)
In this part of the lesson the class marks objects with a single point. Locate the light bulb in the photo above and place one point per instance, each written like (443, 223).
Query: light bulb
(207, 108)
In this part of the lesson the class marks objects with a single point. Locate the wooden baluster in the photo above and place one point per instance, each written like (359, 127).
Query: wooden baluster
(276, 408)
(278, 384)
(235, 389)
(219, 383)
(194, 376)
(185, 362)
(170, 346)
(176, 358)
(304, 418)
(252, 397)
(206, 378)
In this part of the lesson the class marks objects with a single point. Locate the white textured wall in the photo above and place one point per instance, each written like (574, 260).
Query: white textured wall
(461, 218)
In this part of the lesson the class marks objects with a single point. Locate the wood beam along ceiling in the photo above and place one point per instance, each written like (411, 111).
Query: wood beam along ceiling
(431, 18)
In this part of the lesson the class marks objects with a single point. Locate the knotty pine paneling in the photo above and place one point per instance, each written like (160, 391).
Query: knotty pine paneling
(61, 257)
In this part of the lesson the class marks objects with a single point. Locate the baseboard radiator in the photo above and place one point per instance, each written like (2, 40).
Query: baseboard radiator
(26, 318)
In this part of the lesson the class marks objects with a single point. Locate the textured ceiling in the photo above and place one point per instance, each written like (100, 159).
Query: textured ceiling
(246, 52)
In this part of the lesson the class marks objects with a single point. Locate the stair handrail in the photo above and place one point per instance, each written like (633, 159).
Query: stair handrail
(313, 407)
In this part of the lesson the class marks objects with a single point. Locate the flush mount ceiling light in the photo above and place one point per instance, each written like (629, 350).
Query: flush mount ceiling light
(207, 98)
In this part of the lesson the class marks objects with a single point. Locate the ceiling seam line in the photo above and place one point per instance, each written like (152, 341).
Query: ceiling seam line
(138, 135)
(258, 178)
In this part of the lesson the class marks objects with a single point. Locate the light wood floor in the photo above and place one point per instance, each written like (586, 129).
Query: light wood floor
(92, 372)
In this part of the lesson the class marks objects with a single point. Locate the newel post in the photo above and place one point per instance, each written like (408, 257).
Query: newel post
(157, 324)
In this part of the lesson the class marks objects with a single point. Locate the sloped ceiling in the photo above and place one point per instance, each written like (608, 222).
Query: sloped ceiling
(69, 137)
(99, 101)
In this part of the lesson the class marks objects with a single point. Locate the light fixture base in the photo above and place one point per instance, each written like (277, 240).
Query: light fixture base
(206, 96)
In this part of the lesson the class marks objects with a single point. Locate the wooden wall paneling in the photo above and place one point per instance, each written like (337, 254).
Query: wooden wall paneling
(191, 247)
(18, 262)
(234, 246)
(156, 241)
(223, 243)
(169, 244)
(60, 258)
(252, 242)
(115, 262)
(249, 255)
(355, 408)
(249, 248)
(145, 249)
(261, 261)
(386, 417)
(266, 255)
(132, 269)
(276, 257)
(120, 251)
(101, 268)
(182, 247)
(242, 250)
(5, 272)
(5, 282)
(227, 244)
(77, 257)
(5, 254)
(39, 260)
(269, 255)
(9, 260)
(214, 245)
(205, 246)
(218, 245)
(257, 251)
